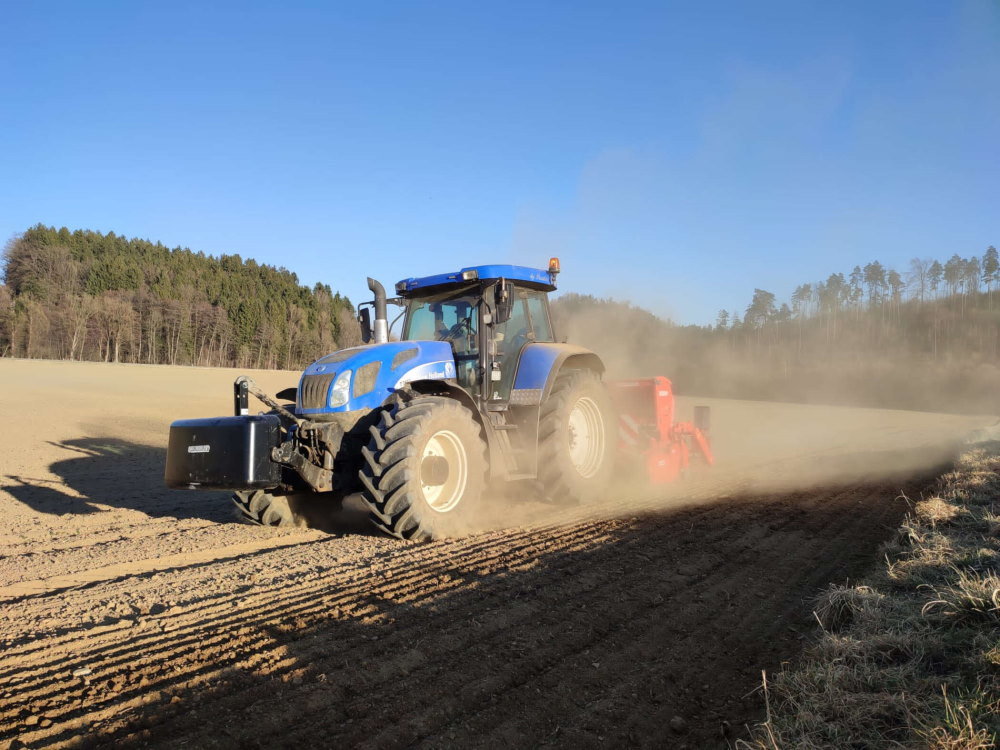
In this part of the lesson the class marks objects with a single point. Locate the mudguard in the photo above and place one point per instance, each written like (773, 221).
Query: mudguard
(539, 365)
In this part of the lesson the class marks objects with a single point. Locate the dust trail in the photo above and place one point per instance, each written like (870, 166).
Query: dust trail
(932, 360)
(761, 448)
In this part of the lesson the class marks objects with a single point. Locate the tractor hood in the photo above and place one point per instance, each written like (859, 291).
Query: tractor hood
(366, 376)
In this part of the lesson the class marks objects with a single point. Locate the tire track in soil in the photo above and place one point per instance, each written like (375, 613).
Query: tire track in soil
(487, 639)
(382, 592)
(57, 584)
(403, 583)
(454, 635)
(280, 608)
(269, 604)
(588, 590)
(628, 626)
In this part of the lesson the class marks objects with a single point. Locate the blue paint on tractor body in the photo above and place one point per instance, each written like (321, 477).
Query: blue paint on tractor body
(432, 360)
(535, 365)
(538, 360)
(536, 278)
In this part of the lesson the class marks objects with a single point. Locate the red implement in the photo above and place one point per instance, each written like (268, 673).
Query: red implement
(648, 433)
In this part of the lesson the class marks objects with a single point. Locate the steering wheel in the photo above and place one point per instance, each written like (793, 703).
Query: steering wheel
(456, 330)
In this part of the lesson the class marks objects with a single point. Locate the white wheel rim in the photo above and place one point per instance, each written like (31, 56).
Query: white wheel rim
(586, 437)
(447, 445)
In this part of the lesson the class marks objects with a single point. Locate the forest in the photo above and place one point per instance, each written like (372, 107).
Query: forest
(91, 296)
(926, 337)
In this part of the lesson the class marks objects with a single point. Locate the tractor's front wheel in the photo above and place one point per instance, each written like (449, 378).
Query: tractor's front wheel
(314, 510)
(424, 469)
(261, 508)
(576, 439)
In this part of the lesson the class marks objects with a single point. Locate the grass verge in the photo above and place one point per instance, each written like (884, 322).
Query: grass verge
(911, 658)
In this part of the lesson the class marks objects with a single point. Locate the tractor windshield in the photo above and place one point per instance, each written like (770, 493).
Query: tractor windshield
(452, 316)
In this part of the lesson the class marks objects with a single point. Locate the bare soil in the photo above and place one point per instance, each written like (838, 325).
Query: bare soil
(132, 615)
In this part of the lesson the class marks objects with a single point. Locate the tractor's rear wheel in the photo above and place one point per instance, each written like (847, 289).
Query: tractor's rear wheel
(424, 469)
(576, 439)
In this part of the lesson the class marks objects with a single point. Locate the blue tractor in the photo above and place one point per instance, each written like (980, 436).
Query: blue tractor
(476, 390)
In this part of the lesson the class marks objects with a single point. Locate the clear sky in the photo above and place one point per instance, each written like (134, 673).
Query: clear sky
(675, 154)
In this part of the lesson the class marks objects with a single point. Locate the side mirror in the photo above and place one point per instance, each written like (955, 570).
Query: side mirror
(504, 304)
(365, 319)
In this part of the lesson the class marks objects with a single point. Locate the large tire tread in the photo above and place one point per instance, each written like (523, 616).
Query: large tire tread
(558, 481)
(389, 467)
(261, 508)
(313, 510)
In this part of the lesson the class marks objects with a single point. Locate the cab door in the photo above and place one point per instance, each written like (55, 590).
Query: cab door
(529, 322)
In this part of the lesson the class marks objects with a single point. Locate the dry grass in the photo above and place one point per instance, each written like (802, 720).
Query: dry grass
(837, 606)
(973, 598)
(911, 658)
(958, 729)
(937, 511)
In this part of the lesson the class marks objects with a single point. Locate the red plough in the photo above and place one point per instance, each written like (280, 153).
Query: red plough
(648, 434)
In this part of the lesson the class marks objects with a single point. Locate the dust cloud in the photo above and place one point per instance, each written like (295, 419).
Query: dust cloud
(865, 362)
(761, 449)
(763, 446)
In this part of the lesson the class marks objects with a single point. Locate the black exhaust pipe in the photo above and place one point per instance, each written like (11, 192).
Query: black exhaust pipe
(381, 330)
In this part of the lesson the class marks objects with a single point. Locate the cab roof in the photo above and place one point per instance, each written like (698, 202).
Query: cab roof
(535, 278)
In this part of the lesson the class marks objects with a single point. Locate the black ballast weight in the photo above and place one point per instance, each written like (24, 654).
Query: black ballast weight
(226, 453)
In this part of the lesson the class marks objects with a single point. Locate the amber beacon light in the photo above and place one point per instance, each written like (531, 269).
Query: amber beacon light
(553, 265)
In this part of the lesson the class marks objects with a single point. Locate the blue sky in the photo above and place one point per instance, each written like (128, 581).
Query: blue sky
(673, 154)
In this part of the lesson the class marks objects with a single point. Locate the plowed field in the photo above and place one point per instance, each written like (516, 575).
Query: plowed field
(136, 616)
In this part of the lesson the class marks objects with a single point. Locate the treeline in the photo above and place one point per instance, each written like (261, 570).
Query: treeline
(926, 338)
(91, 296)
(875, 287)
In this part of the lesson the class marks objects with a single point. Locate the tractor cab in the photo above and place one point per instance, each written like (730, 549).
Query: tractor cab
(487, 314)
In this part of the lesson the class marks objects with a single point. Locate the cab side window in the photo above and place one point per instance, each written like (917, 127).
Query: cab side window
(515, 331)
(539, 312)
(528, 323)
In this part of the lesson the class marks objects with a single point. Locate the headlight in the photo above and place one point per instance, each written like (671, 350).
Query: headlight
(340, 394)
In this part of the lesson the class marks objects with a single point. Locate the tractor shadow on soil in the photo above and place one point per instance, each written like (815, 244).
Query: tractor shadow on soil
(562, 642)
(122, 474)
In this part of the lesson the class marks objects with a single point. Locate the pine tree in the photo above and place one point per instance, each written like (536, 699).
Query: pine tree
(991, 271)
(935, 274)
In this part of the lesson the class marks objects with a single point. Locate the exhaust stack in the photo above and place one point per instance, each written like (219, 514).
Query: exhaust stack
(381, 326)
